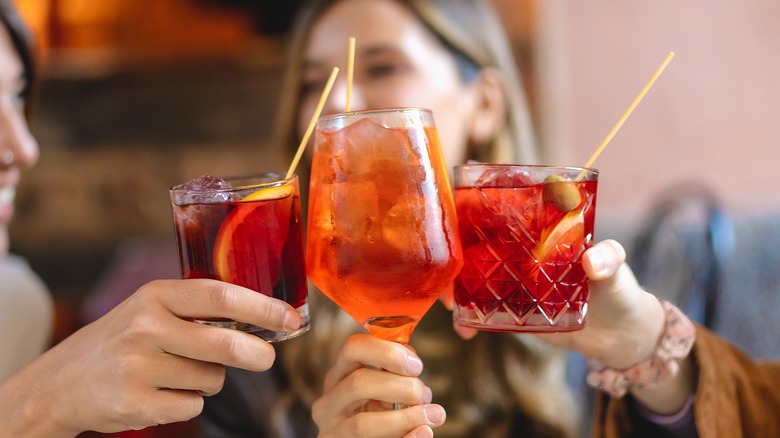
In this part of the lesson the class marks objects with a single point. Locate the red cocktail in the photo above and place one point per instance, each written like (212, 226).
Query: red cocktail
(245, 231)
(524, 230)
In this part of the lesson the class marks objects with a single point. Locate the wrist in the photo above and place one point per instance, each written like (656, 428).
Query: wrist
(636, 340)
(24, 411)
(660, 365)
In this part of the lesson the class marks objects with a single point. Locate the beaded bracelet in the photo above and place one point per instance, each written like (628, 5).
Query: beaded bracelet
(675, 343)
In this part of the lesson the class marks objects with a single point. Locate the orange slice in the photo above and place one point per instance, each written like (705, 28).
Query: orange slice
(269, 193)
(570, 229)
(249, 243)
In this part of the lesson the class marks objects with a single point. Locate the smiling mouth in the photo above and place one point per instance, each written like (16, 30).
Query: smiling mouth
(7, 195)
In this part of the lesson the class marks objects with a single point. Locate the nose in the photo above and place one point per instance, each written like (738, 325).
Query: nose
(18, 147)
(337, 100)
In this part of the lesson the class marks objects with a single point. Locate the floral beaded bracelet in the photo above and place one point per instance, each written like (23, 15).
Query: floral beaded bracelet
(675, 343)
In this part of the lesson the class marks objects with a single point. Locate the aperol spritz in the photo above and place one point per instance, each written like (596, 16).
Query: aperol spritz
(382, 237)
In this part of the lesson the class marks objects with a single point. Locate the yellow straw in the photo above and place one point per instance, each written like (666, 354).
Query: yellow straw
(630, 109)
(305, 139)
(350, 72)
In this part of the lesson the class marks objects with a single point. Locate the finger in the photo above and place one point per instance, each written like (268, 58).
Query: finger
(176, 372)
(366, 384)
(160, 406)
(215, 344)
(390, 424)
(216, 299)
(365, 350)
(420, 432)
(603, 259)
(447, 297)
(464, 332)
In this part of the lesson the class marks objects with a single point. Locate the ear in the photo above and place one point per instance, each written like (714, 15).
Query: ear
(489, 113)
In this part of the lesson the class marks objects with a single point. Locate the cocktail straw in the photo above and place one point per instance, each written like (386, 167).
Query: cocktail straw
(350, 72)
(312, 122)
(630, 109)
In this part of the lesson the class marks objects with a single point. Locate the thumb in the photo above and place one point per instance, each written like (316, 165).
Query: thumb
(613, 285)
(603, 259)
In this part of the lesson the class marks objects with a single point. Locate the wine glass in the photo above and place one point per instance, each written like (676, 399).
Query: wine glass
(382, 236)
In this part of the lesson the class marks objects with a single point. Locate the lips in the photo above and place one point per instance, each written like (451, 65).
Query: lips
(7, 194)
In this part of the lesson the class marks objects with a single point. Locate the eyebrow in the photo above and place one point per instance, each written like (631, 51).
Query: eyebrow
(374, 50)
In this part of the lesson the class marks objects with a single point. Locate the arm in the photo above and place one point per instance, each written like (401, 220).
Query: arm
(142, 364)
(734, 396)
(368, 377)
(732, 393)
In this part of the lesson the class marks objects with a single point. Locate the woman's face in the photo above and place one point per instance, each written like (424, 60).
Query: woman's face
(398, 63)
(18, 149)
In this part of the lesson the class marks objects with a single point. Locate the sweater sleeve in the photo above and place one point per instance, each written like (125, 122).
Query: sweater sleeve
(735, 397)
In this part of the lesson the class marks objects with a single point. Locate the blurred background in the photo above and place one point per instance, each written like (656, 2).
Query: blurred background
(138, 96)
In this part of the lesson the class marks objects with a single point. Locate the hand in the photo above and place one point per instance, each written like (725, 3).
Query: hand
(624, 321)
(370, 375)
(143, 363)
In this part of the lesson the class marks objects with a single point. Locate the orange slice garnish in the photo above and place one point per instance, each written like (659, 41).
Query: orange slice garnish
(249, 243)
(269, 193)
(570, 229)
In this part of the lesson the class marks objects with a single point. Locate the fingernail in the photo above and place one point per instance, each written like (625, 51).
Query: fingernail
(427, 395)
(597, 260)
(292, 321)
(414, 365)
(435, 414)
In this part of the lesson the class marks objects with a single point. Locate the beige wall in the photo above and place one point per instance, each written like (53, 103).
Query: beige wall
(712, 116)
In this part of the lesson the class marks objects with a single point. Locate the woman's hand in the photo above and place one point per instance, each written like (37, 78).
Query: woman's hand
(370, 375)
(143, 363)
(624, 326)
(624, 321)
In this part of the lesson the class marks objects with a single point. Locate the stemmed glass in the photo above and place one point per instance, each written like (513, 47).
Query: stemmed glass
(382, 238)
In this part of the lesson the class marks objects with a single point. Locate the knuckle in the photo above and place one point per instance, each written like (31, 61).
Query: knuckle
(140, 325)
(350, 347)
(363, 348)
(229, 346)
(358, 381)
(318, 413)
(125, 406)
(215, 380)
(126, 368)
(183, 410)
(193, 408)
(392, 356)
(273, 313)
(360, 425)
(221, 297)
(413, 388)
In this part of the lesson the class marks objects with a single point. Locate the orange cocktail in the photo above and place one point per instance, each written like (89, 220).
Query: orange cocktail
(382, 237)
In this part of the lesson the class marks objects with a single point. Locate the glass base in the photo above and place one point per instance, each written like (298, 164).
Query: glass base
(567, 321)
(263, 333)
(391, 328)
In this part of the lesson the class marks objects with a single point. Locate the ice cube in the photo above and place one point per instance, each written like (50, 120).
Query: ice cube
(205, 189)
(505, 176)
(205, 182)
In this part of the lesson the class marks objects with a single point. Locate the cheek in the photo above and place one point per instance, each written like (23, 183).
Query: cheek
(304, 117)
(451, 125)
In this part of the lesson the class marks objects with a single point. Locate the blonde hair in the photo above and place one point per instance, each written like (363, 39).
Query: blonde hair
(495, 378)
(469, 28)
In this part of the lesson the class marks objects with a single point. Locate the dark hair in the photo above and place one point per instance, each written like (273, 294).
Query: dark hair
(23, 41)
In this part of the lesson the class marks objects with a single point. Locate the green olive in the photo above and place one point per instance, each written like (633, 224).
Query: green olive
(562, 194)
